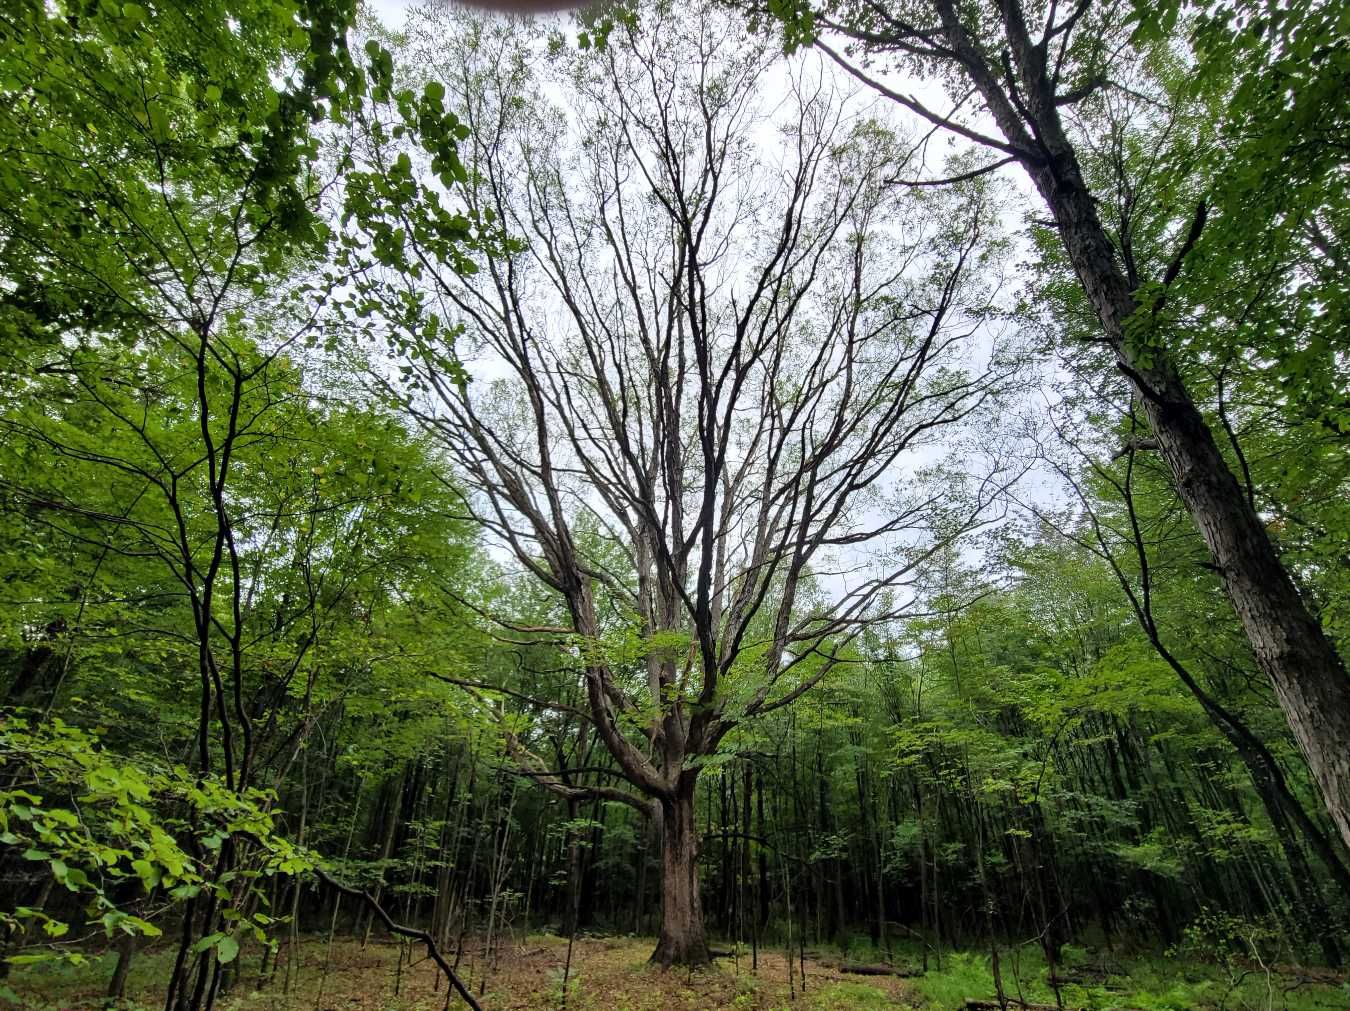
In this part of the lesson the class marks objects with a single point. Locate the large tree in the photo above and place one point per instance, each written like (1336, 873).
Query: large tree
(1026, 68)
(721, 369)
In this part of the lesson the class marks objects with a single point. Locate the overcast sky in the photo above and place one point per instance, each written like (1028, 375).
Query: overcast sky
(393, 12)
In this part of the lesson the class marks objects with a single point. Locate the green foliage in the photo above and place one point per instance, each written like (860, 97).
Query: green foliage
(131, 133)
(99, 822)
(205, 209)
(850, 995)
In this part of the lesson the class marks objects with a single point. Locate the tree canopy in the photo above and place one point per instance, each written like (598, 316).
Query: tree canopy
(854, 488)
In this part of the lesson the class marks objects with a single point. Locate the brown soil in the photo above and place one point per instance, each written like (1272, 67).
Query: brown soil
(610, 974)
(607, 974)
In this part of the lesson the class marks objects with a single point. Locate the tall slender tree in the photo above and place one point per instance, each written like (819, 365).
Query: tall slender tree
(1029, 66)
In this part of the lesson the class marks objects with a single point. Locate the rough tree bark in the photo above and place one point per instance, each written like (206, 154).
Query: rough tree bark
(1282, 807)
(682, 940)
(1017, 77)
(1307, 673)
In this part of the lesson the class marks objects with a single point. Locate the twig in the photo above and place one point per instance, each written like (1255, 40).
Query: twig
(433, 952)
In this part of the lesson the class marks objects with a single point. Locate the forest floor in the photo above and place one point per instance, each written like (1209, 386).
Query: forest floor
(612, 974)
(607, 974)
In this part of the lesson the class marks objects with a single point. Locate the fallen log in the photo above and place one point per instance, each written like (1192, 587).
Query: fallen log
(872, 969)
(972, 1004)
(859, 969)
(1085, 979)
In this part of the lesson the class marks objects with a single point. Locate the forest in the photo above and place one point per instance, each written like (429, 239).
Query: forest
(758, 504)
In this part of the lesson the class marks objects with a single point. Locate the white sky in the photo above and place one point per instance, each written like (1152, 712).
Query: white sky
(1038, 487)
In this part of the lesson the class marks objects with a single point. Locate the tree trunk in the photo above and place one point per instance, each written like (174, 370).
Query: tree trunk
(572, 914)
(682, 940)
(391, 814)
(1308, 675)
(1282, 807)
(117, 986)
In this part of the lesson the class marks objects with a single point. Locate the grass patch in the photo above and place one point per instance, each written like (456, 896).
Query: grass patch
(845, 994)
(1146, 983)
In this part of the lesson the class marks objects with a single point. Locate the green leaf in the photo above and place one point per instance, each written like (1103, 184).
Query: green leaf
(209, 941)
(227, 948)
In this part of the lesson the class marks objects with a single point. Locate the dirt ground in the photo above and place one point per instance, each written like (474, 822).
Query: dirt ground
(609, 974)
(612, 974)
